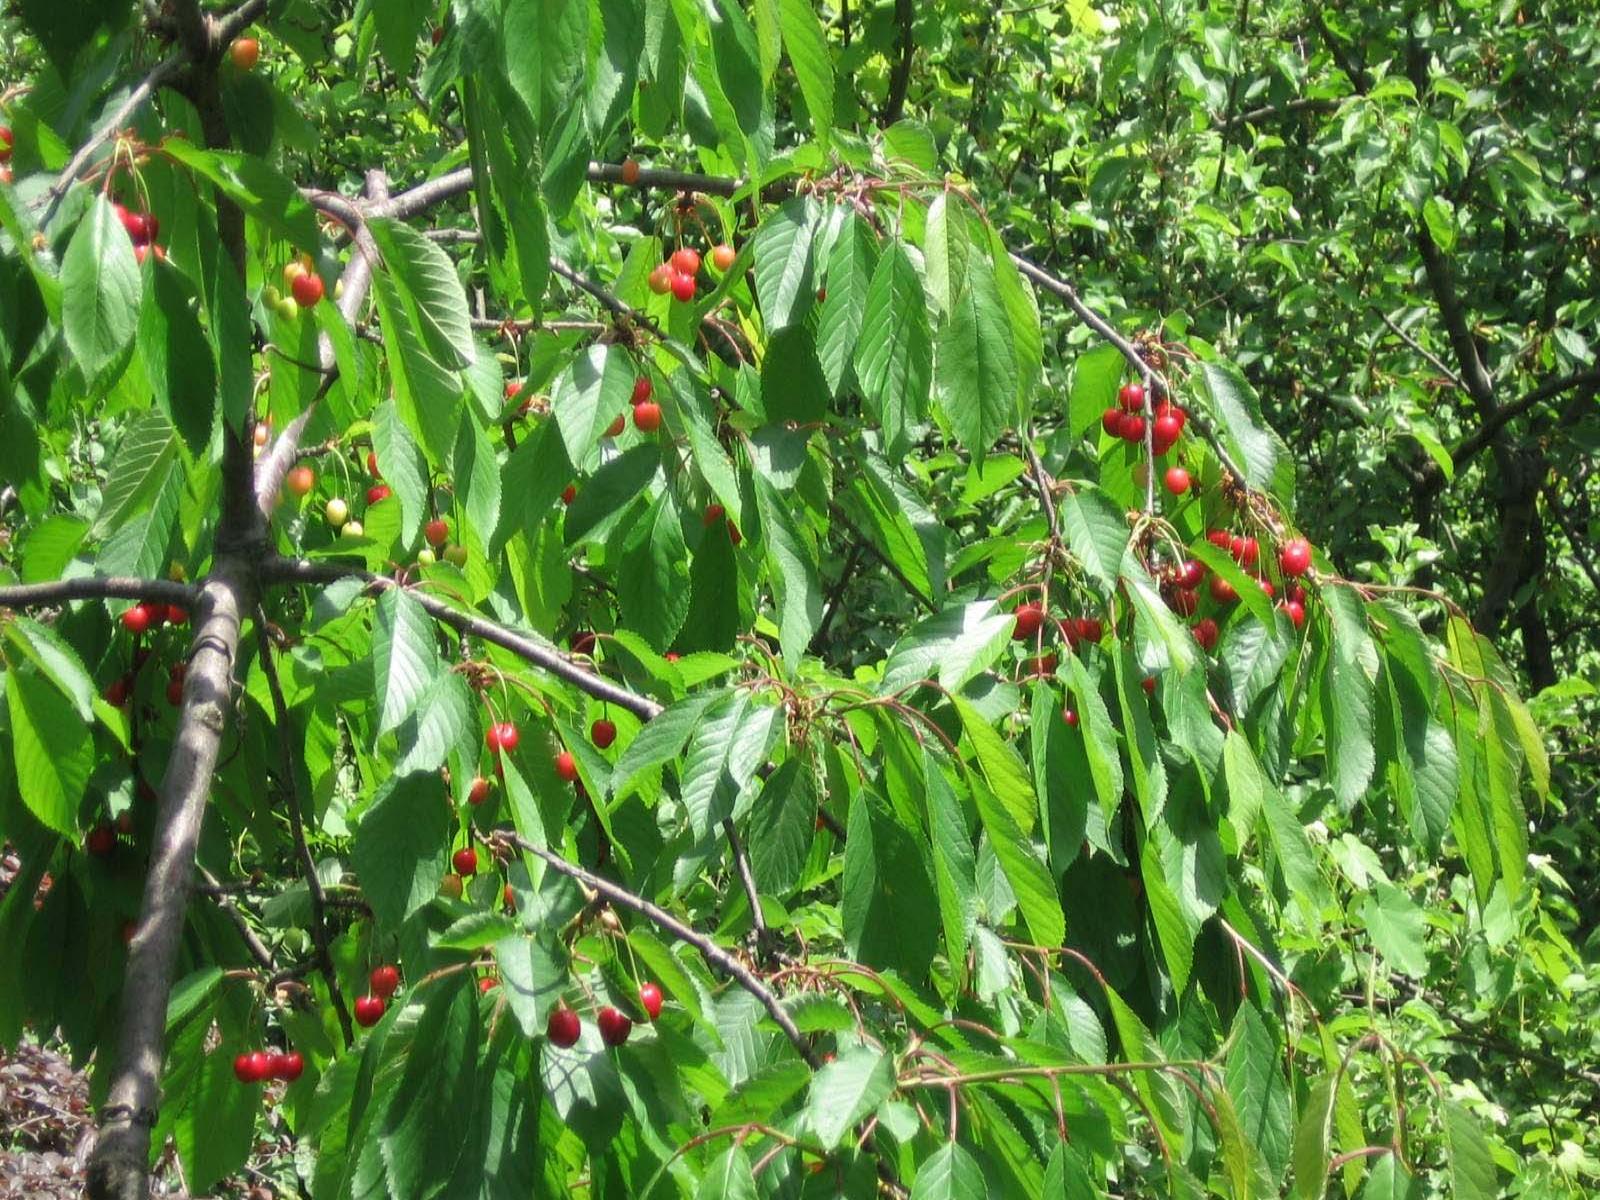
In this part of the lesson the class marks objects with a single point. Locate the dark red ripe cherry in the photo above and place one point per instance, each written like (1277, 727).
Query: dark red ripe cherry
(583, 643)
(502, 735)
(1295, 557)
(176, 615)
(1148, 683)
(1165, 433)
(647, 416)
(1132, 427)
(713, 514)
(1296, 593)
(384, 980)
(602, 733)
(6, 142)
(734, 535)
(479, 791)
(567, 766)
(116, 693)
(372, 464)
(1222, 591)
(1189, 573)
(465, 861)
(307, 289)
(1266, 586)
(1177, 480)
(369, 1010)
(1246, 549)
(1296, 611)
(1131, 397)
(1088, 629)
(614, 1027)
(138, 618)
(569, 493)
(642, 389)
(563, 1027)
(377, 492)
(1029, 618)
(102, 840)
(251, 1067)
(686, 261)
(1111, 422)
(683, 287)
(1070, 716)
(1183, 601)
(616, 427)
(1205, 632)
(1168, 409)
(1220, 539)
(175, 692)
(437, 532)
(650, 999)
(289, 1067)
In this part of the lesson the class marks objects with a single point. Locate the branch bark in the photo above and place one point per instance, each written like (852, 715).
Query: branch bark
(98, 587)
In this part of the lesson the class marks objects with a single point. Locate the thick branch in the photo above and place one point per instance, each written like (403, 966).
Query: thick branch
(714, 954)
(547, 658)
(308, 865)
(894, 104)
(1509, 412)
(98, 587)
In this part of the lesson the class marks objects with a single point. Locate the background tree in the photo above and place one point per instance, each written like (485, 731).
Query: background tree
(752, 631)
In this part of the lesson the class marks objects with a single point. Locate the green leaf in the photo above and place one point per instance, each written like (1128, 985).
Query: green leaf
(53, 750)
(1097, 532)
(792, 568)
(976, 365)
(401, 465)
(726, 748)
(177, 358)
(430, 288)
(887, 905)
(138, 471)
(1347, 697)
(954, 869)
(614, 490)
(1311, 1137)
(1397, 927)
(1099, 738)
(728, 1178)
(1296, 857)
(214, 1133)
(950, 1173)
(444, 719)
(1260, 453)
(1389, 1180)
(661, 740)
(793, 387)
(533, 977)
(428, 397)
(811, 60)
(953, 646)
(947, 245)
(476, 472)
(404, 659)
(50, 545)
(1096, 376)
(1153, 619)
(653, 575)
(400, 845)
(1260, 1093)
(852, 256)
(785, 262)
(1024, 868)
(56, 659)
(101, 290)
(589, 395)
(1000, 764)
(255, 186)
(847, 1090)
(894, 354)
(782, 827)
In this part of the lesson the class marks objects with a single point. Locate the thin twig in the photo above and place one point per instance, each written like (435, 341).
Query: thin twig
(747, 879)
(252, 942)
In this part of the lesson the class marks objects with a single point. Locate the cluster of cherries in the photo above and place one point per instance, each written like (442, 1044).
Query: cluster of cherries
(140, 619)
(258, 1066)
(6, 141)
(382, 983)
(1181, 582)
(1029, 620)
(1125, 420)
(678, 274)
(142, 229)
(564, 1025)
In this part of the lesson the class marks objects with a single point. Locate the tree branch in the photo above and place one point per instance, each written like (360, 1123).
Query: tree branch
(98, 587)
(747, 879)
(894, 103)
(308, 865)
(1470, 446)
(252, 942)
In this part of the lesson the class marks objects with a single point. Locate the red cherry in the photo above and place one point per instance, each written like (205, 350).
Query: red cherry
(1222, 591)
(1165, 433)
(629, 172)
(567, 766)
(7, 140)
(650, 999)
(502, 735)
(513, 386)
(582, 643)
(245, 53)
(734, 535)
(1245, 550)
(479, 791)
(465, 861)
(1177, 480)
(369, 1010)
(437, 35)
(486, 985)
(117, 691)
(246, 1068)
(673, 656)
(642, 389)
(1219, 538)
(102, 841)
(290, 1066)
(661, 279)
(1183, 601)
(1148, 683)
(1205, 632)
(1111, 422)
(1168, 409)
(1044, 664)
(602, 733)
(508, 897)
(175, 692)
(1132, 427)
(563, 1027)
(300, 480)
(1296, 593)
(722, 256)
(1189, 573)
(177, 615)
(1131, 397)
(384, 980)
(647, 416)
(569, 493)
(1088, 629)
(1295, 557)
(614, 1027)
(616, 427)
(308, 289)
(377, 492)
(1266, 586)
(683, 287)
(372, 464)
(1296, 611)
(437, 532)
(137, 619)
(713, 514)
(686, 261)
(1029, 620)
(1070, 716)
